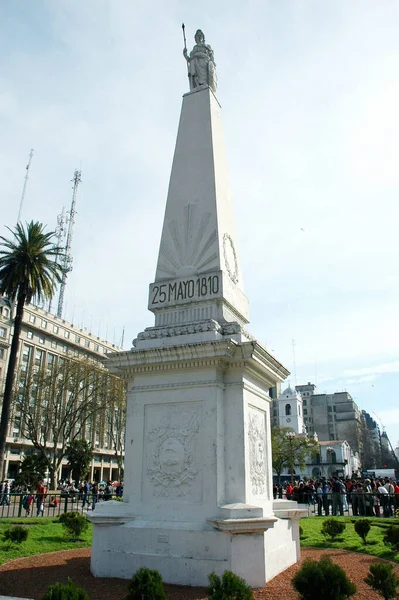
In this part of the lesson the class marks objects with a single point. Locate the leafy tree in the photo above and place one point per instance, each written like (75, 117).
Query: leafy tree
(32, 470)
(79, 455)
(289, 450)
(28, 271)
(116, 422)
(62, 403)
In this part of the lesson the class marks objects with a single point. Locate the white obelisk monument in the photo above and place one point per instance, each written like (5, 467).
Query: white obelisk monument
(198, 474)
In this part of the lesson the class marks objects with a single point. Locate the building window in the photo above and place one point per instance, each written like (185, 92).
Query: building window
(41, 339)
(3, 332)
(50, 360)
(55, 328)
(329, 408)
(77, 339)
(30, 335)
(287, 410)
(87, 343)
(2, 352)
(44, 323)
(65, 349)
(76, 352)
(32, 319)
(305, 411)
(305, 402)
(96, 347)
(53, 344)
(66, 334)
(6, 312)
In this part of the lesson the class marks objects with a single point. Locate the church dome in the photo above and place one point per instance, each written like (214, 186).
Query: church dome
(288, 392)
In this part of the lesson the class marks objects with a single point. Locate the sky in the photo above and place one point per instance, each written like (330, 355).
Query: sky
(310, 95)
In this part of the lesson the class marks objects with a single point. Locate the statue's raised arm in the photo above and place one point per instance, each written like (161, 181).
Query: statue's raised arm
(201, 64)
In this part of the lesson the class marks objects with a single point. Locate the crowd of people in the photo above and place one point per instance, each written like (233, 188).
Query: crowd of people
(88, 493)
(335, 496)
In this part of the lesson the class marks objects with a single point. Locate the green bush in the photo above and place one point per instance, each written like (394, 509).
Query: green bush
(382, 579)
(322, 579)
(228, 587)
(362, 528)
(15, 535)
(332, 528)
(146, 584)
(74, 524)
(391, 537)
(65, 591)
(300, 531)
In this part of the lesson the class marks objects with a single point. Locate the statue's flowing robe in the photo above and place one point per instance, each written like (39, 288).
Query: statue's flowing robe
(201, 69)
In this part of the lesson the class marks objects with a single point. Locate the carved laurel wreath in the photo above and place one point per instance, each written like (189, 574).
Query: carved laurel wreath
(231, 270)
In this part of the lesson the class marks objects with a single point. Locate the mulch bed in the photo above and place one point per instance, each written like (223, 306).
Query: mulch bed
(30, 577)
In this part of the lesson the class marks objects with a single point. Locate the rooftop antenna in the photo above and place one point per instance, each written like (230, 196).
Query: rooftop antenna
(60, 233)
(24, 188)
(293, 360)
(67, 259)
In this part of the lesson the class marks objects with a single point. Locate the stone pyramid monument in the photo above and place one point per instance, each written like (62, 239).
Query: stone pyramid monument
(198, 475)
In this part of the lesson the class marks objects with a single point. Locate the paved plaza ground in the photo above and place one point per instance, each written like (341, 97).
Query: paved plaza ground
(31, 576)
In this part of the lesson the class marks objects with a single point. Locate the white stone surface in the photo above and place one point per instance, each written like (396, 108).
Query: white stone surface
(13, 598)
(198, 473)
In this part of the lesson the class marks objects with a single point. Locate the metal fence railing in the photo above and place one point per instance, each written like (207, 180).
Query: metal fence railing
(353, 504)
(17, 505)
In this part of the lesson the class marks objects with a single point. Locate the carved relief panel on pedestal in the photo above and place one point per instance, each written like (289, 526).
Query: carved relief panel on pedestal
(257, 450)
(171, 467)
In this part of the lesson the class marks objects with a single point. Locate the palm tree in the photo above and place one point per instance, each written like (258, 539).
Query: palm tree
(28, 271)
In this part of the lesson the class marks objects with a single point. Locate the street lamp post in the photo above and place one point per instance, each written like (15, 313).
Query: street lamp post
(290, 437)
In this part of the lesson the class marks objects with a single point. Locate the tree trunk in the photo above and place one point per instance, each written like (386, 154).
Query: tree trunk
(9, 387)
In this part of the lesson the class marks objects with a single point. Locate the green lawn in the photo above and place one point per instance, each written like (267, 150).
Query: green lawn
(45, 535)
(349, 540)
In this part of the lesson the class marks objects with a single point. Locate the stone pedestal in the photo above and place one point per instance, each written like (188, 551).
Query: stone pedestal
(198, 476)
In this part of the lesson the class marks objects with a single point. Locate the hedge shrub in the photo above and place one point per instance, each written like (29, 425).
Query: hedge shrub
(74, 524)
(362, 528)
(322, 580)
(382, 579)
(146, 584)
(15, 535)
(228, 587)
(391, 537)
(65, 591)
(332, 528)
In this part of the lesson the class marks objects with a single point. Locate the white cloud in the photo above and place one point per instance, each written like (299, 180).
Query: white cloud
(391, 367)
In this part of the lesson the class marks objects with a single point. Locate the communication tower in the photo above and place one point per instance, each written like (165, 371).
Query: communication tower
(24, 188)
(66, 259)
(60, 234)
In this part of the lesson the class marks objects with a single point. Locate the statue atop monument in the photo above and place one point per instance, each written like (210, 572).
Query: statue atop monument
(201, 63)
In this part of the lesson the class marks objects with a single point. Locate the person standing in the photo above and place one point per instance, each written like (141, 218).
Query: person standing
(85, 494)
(40, 495)
(94, 495)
